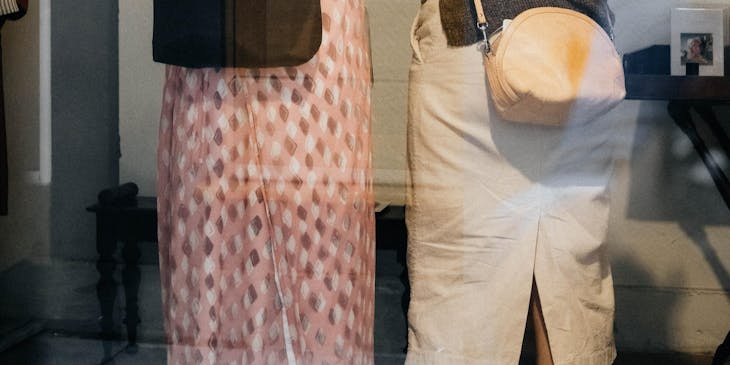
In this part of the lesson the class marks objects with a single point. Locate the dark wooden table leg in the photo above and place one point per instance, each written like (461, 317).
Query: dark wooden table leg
(131, 278)
(708, 115)
(680, 113)
(722, 352)
(106, 289)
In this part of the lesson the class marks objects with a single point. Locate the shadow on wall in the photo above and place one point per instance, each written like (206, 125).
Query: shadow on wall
(671, 183)
(652, 317)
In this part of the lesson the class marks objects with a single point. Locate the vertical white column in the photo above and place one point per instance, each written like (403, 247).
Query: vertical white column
(44, 7)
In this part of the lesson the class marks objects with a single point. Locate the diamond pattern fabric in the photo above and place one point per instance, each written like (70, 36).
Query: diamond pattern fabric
(265, 204)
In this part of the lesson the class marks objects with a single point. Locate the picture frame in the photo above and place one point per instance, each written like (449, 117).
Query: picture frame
(699, 35)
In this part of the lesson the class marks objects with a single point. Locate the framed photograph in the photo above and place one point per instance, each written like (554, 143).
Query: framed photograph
(696, 48)
(698, 37)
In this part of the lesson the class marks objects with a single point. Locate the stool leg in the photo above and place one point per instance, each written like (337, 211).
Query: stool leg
(131, 278)
(106, 290)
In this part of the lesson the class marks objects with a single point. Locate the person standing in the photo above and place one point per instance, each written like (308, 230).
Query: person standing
(504, 218)
(265, 200)
(9, 10)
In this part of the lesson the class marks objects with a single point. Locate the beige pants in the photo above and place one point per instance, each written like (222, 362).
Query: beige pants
(492, 204)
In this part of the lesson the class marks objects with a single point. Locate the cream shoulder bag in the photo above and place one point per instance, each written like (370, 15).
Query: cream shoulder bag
(551, 66)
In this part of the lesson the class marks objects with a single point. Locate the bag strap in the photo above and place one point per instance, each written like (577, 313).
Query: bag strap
(481, 19)
(482, 25)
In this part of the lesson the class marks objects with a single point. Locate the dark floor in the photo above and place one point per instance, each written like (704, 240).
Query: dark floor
(64, 295)
(56, 349)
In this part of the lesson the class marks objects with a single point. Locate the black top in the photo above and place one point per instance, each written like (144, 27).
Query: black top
(236, 33)
(188, 32)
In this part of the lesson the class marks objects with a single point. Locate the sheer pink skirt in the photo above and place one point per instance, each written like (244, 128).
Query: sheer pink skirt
(265, 203)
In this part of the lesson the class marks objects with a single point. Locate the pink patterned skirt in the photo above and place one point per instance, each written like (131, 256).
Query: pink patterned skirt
(265, 207)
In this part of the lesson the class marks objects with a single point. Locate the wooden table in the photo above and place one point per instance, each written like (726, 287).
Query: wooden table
(137, 222)
(683, 93)
(130, 224)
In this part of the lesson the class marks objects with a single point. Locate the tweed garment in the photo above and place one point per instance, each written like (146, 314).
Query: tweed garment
(458, 17)
(266, 223)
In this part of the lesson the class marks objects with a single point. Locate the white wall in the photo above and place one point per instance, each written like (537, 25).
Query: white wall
(140, 95)
(669, 268)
